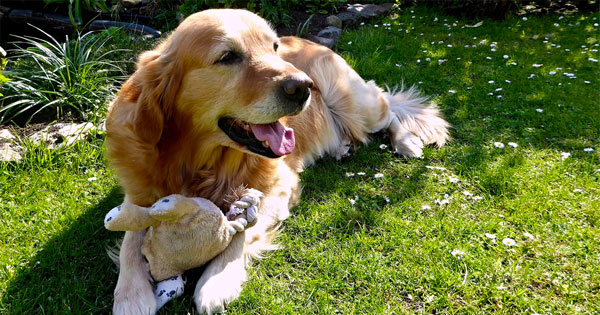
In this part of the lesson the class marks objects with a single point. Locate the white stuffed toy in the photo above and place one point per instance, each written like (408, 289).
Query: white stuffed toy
(183, 233)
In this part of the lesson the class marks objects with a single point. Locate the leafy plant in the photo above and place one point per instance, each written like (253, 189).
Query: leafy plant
(73, 78)
(77, 6)
(304, 28)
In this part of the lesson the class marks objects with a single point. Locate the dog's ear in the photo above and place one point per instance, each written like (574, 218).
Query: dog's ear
(159, 79)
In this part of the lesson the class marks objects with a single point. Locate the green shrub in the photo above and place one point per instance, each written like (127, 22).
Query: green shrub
(71, 80)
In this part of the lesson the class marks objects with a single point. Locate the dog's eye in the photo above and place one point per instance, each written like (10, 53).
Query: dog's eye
(230, 57)
(275, 46)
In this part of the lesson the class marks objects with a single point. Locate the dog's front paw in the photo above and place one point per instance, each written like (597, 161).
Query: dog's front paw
(134, 300)
(245, 210)
(408, 145)
(213, 295)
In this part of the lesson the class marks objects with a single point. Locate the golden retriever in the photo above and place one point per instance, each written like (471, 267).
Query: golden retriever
(224, 102)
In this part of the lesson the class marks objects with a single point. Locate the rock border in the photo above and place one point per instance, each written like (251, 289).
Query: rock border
(353, 14)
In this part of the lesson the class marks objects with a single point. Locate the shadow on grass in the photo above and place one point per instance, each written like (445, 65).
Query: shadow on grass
(72, 273)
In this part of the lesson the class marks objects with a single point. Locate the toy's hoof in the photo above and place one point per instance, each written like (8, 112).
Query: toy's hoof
(113, 213)
(168, 289)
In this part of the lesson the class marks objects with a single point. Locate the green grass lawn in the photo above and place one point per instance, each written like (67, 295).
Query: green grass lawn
(426, 237)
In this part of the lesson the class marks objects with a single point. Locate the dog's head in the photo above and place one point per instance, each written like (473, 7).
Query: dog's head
(219, 73)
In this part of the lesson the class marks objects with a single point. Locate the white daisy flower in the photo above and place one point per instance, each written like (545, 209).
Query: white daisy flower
(418, 60)
(587, 82)
(467, 193)
(490, 236)
(531, 76)
(349, 174)
(588, 150)
(593, 60)
(552, 72)
(375, 25)
(397, 65)
(499, 145)
(425, 207)
(556, 24)
(427, 59)
(453, 180)
(488, 58)
(499, 97)
(387, 199)
(509, 242)
(507, 81)
(513, 144)
(498, 89)
(564, 155)
(352, 201)
(449, 46)
(477, 198)
(536, 65)
(529, 236)
(505, 57)
(452, 91)
(513, 63)
(491, 82)
(91, 179)
(378, 175)
(383, 146)
(539, 110)
(457, 253)
(524, 18)
(360, 173)
(349, 43)
(493, 49)
(578, 190)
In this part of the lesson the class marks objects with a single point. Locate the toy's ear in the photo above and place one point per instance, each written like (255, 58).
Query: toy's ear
(128, 217)
(172, 207)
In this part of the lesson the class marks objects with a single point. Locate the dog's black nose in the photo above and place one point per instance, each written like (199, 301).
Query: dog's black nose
(296, 88)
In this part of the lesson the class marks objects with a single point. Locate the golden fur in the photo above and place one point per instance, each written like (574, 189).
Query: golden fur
(163, 136)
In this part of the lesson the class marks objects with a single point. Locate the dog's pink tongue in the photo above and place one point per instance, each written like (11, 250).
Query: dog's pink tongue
(280, 138)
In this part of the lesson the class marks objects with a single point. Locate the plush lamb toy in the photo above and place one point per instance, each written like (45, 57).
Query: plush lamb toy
(183, 233)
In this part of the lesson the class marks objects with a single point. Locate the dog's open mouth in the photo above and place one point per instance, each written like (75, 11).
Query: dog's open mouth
(271, 140)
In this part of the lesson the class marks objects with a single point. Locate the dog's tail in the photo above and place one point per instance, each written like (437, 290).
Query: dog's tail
(409, 111)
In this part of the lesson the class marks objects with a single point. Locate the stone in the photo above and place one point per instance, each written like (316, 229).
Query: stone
(368, 10)
(8, 153)
(330, 32)
(180, 17)
(334, 21)
(62, 134)
(327, 42)
(348, 17)
(6, 134)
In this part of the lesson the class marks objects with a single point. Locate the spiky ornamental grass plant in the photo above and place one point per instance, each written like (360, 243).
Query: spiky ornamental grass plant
(73, 79)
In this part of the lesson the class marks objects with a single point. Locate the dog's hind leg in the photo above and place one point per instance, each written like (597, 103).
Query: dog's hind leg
(359, 108)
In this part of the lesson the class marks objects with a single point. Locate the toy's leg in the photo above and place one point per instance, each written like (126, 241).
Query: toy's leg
(222, 279)
(134, 293)
(169, 289)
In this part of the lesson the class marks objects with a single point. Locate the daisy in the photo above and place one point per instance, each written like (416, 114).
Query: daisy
(507, 81)
(513, 63)
(535, 65)
(349, 174)
(467, 193)
(505, 57)
(452, 91)
(453, 180)
(539, 110)
(498, 89)
(477, 198)
(513, 144)
(383, 146)
(360, 173)
(352, 201)
(578, 190)
(499, 145)
(509, 242)
(593, 60)
(457, 253)
(425, 207)
(552, 72)
(564, 155)
(529, 236)
(491, 81)
(490, 236)
(488, 58)
(588, 150)
(378, 175)
(349, 43)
